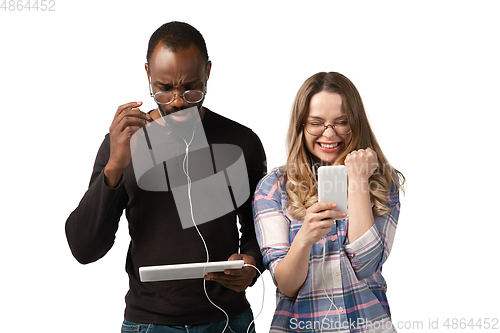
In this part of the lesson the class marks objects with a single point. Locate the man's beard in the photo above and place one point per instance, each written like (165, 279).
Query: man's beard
(165, 111)
(185, 128)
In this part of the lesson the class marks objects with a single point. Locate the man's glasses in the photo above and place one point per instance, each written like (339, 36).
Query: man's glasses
(190, 96)
(317, 127)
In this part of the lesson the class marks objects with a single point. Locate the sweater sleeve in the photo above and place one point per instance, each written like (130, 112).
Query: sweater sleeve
(256, 168)
(91, 227)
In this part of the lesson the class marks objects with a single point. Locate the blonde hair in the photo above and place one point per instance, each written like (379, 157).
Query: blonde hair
(300, 177)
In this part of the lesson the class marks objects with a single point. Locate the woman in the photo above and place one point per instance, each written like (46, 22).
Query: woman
(326, 264)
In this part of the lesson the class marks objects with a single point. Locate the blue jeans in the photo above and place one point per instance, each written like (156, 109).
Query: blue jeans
(238, 324)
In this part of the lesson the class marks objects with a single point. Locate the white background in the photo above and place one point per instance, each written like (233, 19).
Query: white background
(428, 73)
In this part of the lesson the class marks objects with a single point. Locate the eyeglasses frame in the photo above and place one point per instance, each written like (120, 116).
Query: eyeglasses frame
(325, 127)
(203, 93)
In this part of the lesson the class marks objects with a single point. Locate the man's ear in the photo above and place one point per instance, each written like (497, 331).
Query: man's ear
(207, 70)
(146, 67)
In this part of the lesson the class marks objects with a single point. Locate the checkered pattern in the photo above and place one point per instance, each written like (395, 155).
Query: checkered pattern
(350, 274)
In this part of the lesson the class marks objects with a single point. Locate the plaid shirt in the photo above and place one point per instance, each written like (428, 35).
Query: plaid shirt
(349, 274)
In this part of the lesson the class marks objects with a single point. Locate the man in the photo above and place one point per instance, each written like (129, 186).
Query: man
(178, 69)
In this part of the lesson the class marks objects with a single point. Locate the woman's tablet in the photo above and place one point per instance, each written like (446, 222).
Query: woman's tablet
(186, 271)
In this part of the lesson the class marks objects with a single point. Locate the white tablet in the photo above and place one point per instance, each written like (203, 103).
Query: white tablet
(332, 185)
(186, 271)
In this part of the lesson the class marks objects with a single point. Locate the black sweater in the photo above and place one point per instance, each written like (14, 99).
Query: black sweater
(158, 238)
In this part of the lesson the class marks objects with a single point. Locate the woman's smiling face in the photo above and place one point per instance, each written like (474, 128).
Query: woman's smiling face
(326, 107)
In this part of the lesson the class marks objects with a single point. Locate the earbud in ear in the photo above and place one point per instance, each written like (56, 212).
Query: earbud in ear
(150, 88)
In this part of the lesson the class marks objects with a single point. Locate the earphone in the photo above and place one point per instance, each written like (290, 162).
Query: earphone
(314, 168)
(150, 88)
(324, 288)
(185, 168)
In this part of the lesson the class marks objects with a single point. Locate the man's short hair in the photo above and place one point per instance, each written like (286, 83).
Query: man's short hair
(177, 36)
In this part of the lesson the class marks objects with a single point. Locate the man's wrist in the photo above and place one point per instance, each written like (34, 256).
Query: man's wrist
(112, 176)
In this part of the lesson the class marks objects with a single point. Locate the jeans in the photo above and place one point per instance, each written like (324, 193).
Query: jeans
(238, 324)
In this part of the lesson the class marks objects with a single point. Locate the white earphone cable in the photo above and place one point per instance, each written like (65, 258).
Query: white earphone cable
(324, 288)
(263, 294)
(185, 168)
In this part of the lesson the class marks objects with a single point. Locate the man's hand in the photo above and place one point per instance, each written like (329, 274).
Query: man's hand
(236, 279)
(128, 119)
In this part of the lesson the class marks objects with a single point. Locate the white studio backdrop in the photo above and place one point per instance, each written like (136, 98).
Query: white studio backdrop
(428, 74)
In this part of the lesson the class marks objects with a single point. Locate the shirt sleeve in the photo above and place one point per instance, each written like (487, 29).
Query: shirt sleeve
(370, 251)
(272, 227)
(91, 227)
